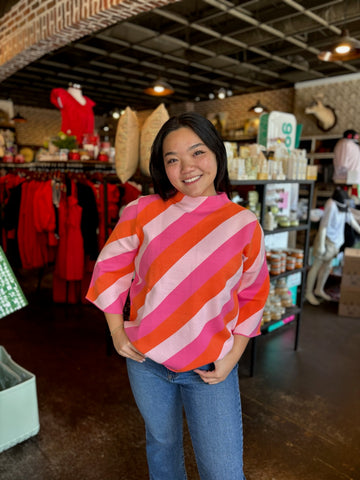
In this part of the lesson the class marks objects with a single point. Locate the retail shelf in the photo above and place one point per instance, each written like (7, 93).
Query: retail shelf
(287, 273)
(292, 315)
(288, 317)
(61, 165)
(269, 182)
(302, 226)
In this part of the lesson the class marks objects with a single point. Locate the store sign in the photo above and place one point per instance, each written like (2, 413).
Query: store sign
(11, 295)
(277, 127)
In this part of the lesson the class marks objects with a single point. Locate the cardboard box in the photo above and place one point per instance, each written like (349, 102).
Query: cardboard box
(19, 416)
(351, 261)
(349, 310)
(350, 281)
(350, 296)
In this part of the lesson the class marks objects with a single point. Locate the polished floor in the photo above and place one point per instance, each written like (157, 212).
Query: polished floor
(301, 410)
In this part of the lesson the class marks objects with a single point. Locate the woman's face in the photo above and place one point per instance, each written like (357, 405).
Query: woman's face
(189, 164)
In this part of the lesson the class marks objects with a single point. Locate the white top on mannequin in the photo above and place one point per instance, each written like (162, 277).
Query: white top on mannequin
(77, 94)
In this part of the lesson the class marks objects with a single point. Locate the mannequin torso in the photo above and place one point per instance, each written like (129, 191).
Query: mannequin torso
(77, 94)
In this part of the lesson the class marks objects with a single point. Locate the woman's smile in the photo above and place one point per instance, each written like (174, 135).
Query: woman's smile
(192, 180)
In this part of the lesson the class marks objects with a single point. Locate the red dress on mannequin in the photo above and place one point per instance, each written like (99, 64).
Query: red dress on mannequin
(77, 119)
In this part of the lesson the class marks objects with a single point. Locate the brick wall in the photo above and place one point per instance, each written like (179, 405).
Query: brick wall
(33, 28)
(237, 107)
(340, 93)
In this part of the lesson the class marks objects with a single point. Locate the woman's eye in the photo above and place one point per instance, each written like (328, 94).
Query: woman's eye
(198, 152)
(171, 160)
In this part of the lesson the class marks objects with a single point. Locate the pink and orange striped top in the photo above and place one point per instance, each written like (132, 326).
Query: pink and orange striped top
(197, 275)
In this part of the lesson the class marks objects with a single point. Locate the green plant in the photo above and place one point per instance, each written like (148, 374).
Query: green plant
(62, 140)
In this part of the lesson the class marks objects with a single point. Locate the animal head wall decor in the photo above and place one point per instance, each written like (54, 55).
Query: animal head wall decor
(325, 115)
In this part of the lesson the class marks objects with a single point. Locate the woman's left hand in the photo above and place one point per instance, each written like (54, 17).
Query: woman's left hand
(222, 369)
(224, 366)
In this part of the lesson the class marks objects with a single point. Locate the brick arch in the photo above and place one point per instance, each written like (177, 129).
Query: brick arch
(33, 28)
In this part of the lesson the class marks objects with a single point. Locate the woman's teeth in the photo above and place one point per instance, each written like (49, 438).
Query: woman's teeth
(193, 179)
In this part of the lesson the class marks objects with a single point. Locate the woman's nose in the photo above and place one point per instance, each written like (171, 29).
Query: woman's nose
(186, 164)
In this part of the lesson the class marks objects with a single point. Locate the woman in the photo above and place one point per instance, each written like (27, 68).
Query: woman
(195, 265)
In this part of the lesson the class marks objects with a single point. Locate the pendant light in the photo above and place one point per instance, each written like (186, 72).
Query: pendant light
(346, 48)
(159, 88)
(19, 118)
(258, 108)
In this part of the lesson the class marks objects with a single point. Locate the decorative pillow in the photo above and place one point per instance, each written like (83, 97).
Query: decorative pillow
(127, 145)
(148, 133)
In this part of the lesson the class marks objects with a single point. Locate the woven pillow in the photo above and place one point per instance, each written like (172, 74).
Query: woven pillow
(148, 133)
(127, 145)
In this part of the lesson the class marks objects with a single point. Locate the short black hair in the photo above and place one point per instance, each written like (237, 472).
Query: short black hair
(205, 130)
(350, 134)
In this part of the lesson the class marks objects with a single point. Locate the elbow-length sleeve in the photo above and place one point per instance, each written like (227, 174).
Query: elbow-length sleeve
(114, 268)
(254, 286)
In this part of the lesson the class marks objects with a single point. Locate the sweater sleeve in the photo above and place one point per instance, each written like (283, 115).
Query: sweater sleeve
(114, 268)
(254, 287)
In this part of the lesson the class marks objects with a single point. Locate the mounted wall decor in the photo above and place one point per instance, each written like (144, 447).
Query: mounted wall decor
(325, 115)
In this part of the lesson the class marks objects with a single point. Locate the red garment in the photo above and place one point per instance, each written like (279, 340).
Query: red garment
(44, 211)
(131, 193)
(77, 119)
(70, 255)
(113, 208)
(33, 247)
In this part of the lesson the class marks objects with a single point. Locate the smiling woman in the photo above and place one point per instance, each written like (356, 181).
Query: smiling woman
(194, 264)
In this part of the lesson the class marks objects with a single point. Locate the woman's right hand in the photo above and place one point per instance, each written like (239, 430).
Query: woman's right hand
(124, 347)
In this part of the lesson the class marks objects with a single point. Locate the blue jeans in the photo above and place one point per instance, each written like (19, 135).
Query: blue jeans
(213, 414)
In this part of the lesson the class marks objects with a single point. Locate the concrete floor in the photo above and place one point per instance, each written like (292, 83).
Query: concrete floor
(301, 409)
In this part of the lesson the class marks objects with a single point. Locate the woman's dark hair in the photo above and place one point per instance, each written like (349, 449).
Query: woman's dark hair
(205, 130)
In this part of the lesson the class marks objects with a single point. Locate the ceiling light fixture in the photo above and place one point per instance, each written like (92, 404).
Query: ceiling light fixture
(258, 108)
(222, 93)
(346, 48)
(19, 118)
(159, 88)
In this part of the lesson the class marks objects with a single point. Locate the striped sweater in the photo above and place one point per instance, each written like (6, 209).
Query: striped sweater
(197, 275)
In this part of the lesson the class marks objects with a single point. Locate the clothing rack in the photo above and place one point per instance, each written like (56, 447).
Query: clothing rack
(65, 166)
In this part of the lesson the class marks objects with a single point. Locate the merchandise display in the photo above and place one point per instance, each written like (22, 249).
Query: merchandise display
(284, 263)
(253, 162)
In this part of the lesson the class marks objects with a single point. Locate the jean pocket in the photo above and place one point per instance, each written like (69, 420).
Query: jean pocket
(209, 367)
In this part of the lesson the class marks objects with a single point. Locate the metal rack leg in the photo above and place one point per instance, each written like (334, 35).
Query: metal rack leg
(297, 331)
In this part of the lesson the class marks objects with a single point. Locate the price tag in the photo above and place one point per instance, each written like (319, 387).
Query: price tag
(11, 295)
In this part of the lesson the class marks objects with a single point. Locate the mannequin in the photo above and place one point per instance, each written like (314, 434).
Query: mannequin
(75, 91)
(328, 241)
(76, 110)
(347, 158)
